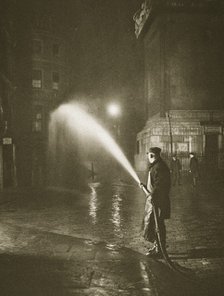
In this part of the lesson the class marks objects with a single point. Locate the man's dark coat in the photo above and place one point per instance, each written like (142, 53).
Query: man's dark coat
(175, 166)
(160, 179)
(194, 167)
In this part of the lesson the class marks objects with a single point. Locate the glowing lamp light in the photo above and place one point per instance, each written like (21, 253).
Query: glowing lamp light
(114, 110)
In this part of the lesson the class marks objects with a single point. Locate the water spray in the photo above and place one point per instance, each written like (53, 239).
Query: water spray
(80, 121)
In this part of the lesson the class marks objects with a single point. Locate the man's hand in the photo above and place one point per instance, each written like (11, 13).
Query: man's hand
(144, 188)
(149, 198)
(141, 185)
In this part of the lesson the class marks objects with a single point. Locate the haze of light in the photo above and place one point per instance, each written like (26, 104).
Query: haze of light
(79, 120)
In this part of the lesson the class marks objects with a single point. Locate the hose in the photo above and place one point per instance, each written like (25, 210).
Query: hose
(162, 248)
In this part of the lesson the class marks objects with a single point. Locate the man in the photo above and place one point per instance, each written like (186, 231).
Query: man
(158, 185)
(175, 168)
(194, 169)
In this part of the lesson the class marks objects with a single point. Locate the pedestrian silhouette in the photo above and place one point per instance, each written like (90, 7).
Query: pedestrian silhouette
(194, 169)
(175, 168)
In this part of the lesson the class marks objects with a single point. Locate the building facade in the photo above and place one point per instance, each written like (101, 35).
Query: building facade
(7, 95)
(184, 77)
(34, 79)
(50, 84)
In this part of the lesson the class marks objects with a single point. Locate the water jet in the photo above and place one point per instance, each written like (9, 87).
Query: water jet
(79, 122)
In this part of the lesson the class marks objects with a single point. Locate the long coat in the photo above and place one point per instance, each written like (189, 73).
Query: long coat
(161, 182)
(175, 167)
(194, 167)
(158, 185)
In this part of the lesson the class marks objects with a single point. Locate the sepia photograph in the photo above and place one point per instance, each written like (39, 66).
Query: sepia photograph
(111, 147)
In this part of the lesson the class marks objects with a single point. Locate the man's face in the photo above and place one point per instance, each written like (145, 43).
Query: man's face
(151, 157)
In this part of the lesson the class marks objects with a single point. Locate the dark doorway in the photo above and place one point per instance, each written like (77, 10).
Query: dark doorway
(211, 151)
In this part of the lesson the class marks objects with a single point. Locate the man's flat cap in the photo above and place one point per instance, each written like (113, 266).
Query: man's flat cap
(155, 150)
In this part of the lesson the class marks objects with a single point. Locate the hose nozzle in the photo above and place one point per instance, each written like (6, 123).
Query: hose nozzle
(144, 188)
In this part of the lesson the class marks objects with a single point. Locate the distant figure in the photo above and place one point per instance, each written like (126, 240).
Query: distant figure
(194, 168)
(175, 168)
(158, 185)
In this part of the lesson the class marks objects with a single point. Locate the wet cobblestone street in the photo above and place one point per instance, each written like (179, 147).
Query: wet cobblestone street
(64, 243)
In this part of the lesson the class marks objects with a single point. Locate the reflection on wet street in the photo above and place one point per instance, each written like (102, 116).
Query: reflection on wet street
(95, 238)
(104, 213)
(111, 202)
(93, 206)
(112, 208)
(116, 216)
(112, 213)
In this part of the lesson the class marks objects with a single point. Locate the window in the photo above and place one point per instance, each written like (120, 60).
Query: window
(37, 119)
(55, 80)
(37, 79)
(55, 50)
(37, 46)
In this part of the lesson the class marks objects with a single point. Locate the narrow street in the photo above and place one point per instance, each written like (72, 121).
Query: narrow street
(64, 243)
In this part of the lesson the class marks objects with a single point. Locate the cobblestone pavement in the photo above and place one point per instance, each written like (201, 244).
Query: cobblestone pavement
(54, 243)
(42, 263)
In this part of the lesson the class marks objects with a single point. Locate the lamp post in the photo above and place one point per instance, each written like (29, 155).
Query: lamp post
(114, 111)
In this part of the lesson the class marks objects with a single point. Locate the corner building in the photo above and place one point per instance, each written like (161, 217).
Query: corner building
(50, 83)
(42, 79)
(184, 80)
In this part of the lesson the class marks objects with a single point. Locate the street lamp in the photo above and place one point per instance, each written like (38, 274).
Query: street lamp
(114, 110)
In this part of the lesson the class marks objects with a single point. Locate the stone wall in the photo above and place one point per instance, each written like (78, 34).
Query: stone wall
(189, 130)
(184, 62)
